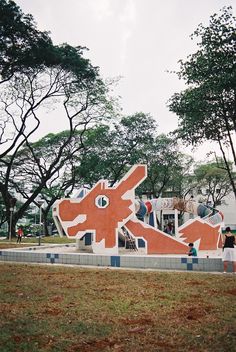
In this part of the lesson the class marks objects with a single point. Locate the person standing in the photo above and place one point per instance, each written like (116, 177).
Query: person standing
(20, 234)
(229, 250)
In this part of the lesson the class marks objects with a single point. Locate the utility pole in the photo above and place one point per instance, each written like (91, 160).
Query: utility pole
(40, 203)
(12, 206)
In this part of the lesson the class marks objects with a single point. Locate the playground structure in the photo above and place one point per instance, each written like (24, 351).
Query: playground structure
(105, 216)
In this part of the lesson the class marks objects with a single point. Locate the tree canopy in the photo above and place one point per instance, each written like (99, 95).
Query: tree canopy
(213, 183)
(207, 107)
(23, 47)
(36, 74)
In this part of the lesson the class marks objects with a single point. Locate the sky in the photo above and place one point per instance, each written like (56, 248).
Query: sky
(140, 41)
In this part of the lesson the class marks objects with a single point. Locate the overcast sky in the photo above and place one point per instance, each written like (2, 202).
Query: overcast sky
(139, 40)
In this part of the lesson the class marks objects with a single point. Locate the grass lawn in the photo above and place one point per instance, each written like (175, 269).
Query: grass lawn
(72, 309)
(4, 244)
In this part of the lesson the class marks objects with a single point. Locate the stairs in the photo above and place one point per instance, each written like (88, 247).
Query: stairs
(130, 242)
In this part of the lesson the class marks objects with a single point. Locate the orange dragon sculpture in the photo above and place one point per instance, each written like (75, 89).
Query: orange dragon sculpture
(104, 210)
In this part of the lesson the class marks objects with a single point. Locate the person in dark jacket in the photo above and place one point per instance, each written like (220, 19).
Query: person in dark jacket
(228, 249)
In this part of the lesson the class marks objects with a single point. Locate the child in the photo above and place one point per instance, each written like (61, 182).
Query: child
(19, 235)
(192, 251)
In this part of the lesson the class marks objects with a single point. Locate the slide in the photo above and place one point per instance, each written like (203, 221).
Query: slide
(209, 214)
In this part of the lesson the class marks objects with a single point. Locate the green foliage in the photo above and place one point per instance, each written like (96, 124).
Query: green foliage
(111, 150)
(215, 180)
(35, 74)
(21, 45)
(207, 108)
(165, 163)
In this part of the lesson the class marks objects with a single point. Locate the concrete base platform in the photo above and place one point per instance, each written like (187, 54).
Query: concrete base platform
(207, 261)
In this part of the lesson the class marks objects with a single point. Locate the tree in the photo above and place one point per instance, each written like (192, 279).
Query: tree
(164, 162)
(182, 182)
(214, 183)
(131, 136)
(22, 46)
(95, 160)
(69, 82)
(110, 150)
(29, 171)
(207, 108)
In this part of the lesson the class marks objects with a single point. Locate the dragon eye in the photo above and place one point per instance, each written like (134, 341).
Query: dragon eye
(102, 201)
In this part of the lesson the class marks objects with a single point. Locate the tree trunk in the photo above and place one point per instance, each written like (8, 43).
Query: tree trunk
(228, 168)
(45, 227)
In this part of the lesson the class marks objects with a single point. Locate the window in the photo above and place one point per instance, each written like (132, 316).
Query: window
(168, 216)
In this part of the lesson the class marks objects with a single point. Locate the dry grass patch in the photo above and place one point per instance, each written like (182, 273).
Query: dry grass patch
(56, 308)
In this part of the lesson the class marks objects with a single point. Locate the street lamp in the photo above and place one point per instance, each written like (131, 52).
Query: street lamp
(40, 203)
(12, 202)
